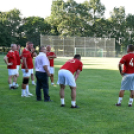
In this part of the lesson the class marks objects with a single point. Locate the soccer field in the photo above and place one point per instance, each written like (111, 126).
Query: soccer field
(97, 92)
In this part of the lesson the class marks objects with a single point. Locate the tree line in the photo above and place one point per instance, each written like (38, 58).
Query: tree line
(69, 19)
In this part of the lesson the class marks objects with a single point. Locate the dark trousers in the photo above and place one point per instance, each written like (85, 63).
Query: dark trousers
(42, 82)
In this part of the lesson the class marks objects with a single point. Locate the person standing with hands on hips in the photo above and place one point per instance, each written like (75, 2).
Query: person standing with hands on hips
(42, 73)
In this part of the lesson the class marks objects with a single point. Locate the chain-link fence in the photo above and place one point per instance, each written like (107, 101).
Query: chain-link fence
(87, 47)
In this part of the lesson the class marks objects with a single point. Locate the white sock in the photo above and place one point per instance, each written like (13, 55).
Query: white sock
(23, 91)
(119, 100)
(27, 89)
(130, 101)
(33, 82)
(10, 85)
(52, 83)
(73, 103)
(62, 101)
(14, 83)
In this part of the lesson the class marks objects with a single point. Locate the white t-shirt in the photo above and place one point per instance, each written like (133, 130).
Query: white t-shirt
(40, 61)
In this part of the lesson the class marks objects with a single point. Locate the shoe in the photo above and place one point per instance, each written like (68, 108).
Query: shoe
(11, 87)
(29, 94)
(74, 106)
(16, 85)
(48, 100)
(129, 105)
(118, 104)
(62, 105)
(24, 95)
(34, 84)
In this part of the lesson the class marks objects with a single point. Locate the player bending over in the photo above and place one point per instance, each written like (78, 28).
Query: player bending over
(127, 75)
(66, 77)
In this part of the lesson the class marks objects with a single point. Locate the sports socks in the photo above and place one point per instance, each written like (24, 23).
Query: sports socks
(119, 100)
(62, 101)
(130, 101)
(73, 103)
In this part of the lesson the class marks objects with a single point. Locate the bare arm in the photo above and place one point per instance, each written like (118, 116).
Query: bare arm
(120, 69)
(6, 61)
(25, 64)
(46, 69)
(77, 74)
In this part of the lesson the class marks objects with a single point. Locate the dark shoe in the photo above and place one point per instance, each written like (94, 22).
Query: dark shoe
(38, 99)
(129, 105)
(118, 104)
(74, 106)
(48, 100)
(62, 105)
(12, 87)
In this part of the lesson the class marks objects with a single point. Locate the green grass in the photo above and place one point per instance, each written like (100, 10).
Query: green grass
(97, 91)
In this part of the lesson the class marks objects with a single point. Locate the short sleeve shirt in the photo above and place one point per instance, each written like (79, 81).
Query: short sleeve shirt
(17, 57)
(51, 60)
(73, 65)
(27, 54)
(11, 59)
(128, 61)
(40, 61)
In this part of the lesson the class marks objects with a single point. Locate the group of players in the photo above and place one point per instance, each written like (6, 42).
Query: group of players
(13, 60)
(65, 74)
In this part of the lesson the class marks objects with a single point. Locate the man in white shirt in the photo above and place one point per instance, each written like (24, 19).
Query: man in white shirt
(42, 73)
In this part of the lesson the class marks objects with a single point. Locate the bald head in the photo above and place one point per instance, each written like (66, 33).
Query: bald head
(130, 48)
(42, 49)
(13, 47)
(48, 48)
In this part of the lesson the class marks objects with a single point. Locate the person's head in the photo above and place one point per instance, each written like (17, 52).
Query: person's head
(42, 49)
(130, 48)
(13, 47)
(29, 45)
(77, 56)
(18, 47)
(48, 48)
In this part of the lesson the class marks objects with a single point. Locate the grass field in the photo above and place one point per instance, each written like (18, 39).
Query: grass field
(97, 92)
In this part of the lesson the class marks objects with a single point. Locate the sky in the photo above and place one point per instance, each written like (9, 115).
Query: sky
(42, 8)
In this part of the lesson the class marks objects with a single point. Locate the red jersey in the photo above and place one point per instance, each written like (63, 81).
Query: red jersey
(73, 65)
(11, 59)
(128, 61)
(27, 54)
(17, 57)
(51, 60)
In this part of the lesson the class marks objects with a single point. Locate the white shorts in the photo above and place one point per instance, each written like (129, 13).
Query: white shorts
(31, 71)
(51, 70)
(26, 74)
(17, 69)
(12, 72)
(65, 77)
(127, 82)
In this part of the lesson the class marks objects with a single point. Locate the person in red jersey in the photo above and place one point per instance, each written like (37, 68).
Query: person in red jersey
(18, 62)
(51, 56)
(34, 54)
(10, 60)
(66, 77)
(127, 75)
(27, 65)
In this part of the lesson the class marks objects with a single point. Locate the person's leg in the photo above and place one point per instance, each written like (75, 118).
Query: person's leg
(24, 84)
(73, 96)
(38, 88)
(52, 79)
(44, 83)
(32, 77)
(121, 94)
(62, 87)
(14, 81)
(10, 81)
(131, 98)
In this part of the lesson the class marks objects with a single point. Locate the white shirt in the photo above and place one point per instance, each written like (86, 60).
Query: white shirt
(40, 61)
